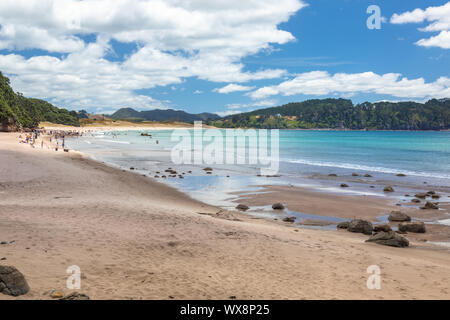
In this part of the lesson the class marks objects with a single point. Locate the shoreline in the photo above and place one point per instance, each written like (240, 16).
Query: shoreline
(135, 238)
(304, 197)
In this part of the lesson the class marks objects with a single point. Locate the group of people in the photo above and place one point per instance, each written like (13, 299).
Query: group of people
(48, 138)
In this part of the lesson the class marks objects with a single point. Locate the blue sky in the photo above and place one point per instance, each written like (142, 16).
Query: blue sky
(224, 57)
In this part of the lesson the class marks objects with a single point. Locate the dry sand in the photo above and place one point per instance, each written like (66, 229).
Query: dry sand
(135, 238)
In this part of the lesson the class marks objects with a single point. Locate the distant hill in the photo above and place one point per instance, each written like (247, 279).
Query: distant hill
(342, 114)
(161, 115)
(17, 111)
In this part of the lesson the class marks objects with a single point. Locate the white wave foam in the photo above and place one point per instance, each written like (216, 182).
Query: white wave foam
(443, 244)
(367, 168)
(114, 141)
(445, 222)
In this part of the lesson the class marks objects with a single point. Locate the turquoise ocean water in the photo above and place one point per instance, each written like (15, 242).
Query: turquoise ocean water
(419, 155)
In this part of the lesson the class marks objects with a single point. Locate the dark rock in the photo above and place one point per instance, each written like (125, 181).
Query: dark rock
(278, 206)
(75, 296)
(332, 175)
(436, 196)
(399, 216)
(343, 225)
(389, 239)
(415, 227)
(242, 207)
(360, 226)
(208, 169)
(368, 176)
(401, 175)
(430, 205)
(12, 282)
(388, 189)
(289, 219)
(382, 228)
(416, 200)
(355, 175)
(4, 242)
(421, 195)
(431, 192)
(344, 185)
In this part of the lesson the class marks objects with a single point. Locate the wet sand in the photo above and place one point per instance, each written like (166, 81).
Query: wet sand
(135, 238)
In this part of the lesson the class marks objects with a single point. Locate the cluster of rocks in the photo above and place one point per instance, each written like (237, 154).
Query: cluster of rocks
(386, 189)
(170, 173)
(276, 206)
(428, 204)
(383, 234)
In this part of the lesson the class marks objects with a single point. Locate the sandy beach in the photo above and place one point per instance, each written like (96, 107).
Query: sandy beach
(136, 238)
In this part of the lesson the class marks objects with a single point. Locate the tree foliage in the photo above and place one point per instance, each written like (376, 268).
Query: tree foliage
(19, 111)
(342, 114)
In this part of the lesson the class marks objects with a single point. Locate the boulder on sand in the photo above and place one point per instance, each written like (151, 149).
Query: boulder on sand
(360, 226)
(421, 195)
(399, 216)
(368, 175)
(12, 282)
(416, 200)
(355, 175)
(278, 206)
(430, 205)
(344, 185)
(382, 228)
(343, 225)
(390, 238)
(289, 219)
(388, 189)
(242, 207)
(415, 227)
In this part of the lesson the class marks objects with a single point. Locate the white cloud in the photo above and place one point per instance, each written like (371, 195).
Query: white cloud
(438, 19)
(228, 113)
(322, 83)
(236, 108)
(233, 88)
(175, 40)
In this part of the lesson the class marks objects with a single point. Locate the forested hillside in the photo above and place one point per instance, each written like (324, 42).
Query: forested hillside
(342, 114)
(17, 111)
(161, 115)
